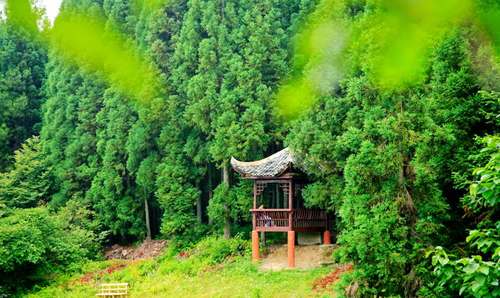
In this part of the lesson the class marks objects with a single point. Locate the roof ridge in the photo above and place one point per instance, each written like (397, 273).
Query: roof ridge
(271, 166)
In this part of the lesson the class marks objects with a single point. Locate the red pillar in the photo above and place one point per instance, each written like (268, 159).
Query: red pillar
(326, 237)
(291, 249)
(255, 246)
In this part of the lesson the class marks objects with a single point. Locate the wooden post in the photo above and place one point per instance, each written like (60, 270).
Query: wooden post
(255, 194)
(254, 218)
(291, 249)
(290, 205)
(327, 237)
(290, 195)
(255, 246)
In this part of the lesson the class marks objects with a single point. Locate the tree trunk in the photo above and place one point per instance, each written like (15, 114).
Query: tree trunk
(210, 188)
(199, 206)
(148, 224)
(199, 212)
(227, 219)
(408, 204)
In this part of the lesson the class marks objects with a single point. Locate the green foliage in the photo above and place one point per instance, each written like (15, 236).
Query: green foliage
(485, 192)
(22, 64)
(317, 62)
(214, 250)
(176, 190)
(22, 14)
(86, 143)
(69, 132)
(228, 58)
(112, 189)
(107, 52)
(208, 252)
(28, 183)
(236, 198)
(389, 40)
(34, 244)
(384, 158)
(221, 66)
(218, 62)
(3, 209)
(81, 220)
(145, 100)
(476, 274)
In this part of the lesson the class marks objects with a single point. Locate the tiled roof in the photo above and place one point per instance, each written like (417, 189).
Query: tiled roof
(271, 166)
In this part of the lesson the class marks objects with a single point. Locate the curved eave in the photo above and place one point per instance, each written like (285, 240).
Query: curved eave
(271, 166)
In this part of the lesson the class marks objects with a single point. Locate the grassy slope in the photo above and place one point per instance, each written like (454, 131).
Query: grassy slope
(170, 277)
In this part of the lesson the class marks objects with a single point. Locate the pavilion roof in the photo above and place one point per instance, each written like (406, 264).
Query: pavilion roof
(271, 166)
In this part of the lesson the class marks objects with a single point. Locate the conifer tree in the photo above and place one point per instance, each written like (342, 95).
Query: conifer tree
(114, 192)
(228, 58)
(384, 161)
(28, 183)
(180, 145)
(154, 33)
(69, 130)
(22, 72)
(113, 188)
(68, 136)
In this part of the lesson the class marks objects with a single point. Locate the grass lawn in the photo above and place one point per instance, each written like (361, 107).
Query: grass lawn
(173, 277)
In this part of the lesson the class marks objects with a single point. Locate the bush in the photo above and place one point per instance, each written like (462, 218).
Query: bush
(34, 245)
(474, 276)
(77, 217)
(215, 250)
(208, 252)
(237, 200)
(477, 272)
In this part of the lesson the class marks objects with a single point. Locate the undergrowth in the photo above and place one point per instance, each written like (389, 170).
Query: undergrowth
(214, 267)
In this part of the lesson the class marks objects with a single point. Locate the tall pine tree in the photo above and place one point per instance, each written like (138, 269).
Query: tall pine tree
(22, 69)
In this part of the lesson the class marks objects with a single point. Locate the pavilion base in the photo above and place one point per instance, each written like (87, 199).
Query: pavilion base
(255, 246)
(327, 237)
(291, 249)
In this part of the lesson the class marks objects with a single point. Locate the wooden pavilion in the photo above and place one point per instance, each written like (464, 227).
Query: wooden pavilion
(278, 205)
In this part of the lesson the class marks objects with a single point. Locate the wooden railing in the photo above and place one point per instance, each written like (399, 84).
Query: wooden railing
(271, 219)
(112, 290)
(289, 219)
(310, 218)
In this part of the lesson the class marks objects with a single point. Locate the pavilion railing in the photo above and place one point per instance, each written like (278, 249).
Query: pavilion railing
(288, 219)
(309, 218)
(271, 219)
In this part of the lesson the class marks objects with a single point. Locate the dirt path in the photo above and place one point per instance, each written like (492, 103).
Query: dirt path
(148, 249)
(123, 256)
(306, 257)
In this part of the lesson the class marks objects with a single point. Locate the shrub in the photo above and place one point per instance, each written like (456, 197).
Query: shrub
(215, 250)
(208, 252)
(34, 245)
(477, 272)
(474, 276)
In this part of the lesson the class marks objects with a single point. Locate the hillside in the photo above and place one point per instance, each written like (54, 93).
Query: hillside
(213, 268)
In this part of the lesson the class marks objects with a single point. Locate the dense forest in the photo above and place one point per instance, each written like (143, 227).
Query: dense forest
(118, 122)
